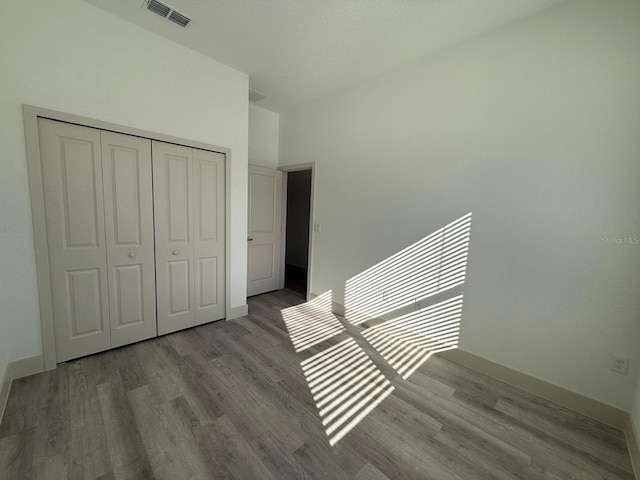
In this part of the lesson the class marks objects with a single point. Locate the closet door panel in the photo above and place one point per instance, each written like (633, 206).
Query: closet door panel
(179, 283)
(126, 163)
(85, 303)
(173, 212)
(128, 298)
(209, 238)
(73, 195)
(178, 189)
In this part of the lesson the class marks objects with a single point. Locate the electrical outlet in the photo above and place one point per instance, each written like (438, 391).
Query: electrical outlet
(316, 227)
(385, 296)
(619, 364)
(418, 304)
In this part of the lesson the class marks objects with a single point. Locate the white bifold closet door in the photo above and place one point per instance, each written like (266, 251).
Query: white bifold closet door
(189, 212)
(98, 204)
(128, 211)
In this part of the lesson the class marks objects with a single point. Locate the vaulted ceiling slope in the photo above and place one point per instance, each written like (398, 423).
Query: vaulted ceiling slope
(297, 50)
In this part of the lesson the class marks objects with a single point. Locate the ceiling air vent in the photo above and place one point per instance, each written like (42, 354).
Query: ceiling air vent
(180, 19)
(157, 7)
(167, 12)
(255, 96)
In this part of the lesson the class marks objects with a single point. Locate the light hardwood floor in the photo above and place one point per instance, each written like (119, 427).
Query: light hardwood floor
(229, 400)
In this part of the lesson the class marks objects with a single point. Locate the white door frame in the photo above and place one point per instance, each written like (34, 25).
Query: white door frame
(294, 168)
(30, 118)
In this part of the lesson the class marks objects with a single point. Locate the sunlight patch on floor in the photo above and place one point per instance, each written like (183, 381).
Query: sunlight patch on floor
(312, 322)
(345, 385)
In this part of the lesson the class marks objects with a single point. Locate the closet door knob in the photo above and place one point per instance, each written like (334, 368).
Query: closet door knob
(131, 255)
(175, 252)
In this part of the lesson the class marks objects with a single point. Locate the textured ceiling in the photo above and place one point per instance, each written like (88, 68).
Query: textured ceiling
(298, 50)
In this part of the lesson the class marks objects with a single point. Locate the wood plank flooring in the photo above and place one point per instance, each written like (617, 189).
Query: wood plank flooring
(229, 400)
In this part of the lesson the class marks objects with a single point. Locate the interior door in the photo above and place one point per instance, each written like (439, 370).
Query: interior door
(209, 235)
(173, 213)
(128, 209)
(264, 238)
(73, 197)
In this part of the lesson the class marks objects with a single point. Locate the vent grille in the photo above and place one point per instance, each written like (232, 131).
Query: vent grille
(180, 19)
(255, 96)
(167, 12)
(159, 8)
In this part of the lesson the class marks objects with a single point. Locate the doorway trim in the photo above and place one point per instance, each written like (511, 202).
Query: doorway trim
(295, 168)
(32, 140)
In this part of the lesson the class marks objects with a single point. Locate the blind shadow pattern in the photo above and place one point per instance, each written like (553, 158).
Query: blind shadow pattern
(345, 385)
(408, 341)
(432, 265)
(312, 322)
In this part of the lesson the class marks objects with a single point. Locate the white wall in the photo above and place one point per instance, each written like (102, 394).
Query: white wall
(70, 56)
(264, 137)
(534, 129)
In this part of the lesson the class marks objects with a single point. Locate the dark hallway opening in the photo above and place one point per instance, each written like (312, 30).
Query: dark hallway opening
(297, 236)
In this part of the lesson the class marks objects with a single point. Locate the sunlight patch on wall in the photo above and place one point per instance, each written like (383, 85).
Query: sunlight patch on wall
(432, 265)
(345, 385)
(312, 322)
(408, 341)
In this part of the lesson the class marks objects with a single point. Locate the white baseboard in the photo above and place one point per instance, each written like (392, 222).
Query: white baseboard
(632, 432)
(338, 309)
(27, 366)
(236, 312)
(14, 370)
(613, 416)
